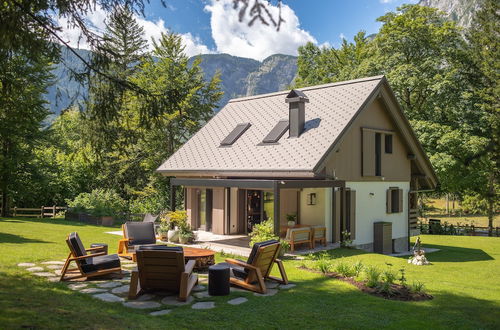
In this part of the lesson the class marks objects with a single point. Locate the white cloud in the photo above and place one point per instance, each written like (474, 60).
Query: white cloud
(386, 1)
(152, 30)
(342, 36)
(259, 41)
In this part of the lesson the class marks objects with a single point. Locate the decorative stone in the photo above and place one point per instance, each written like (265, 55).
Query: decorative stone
(109, 285)
(198, 288)
(234, 289)
(54, 266)
(162, 312)
(201, 295)
(44, 274)
(53, 263)
(172, 300)
(287, 286)
(142, 304)
(419, 259)
(120, 289)
(53, 279)
(78, 286)
(145, 297)
(271, 284)
(34, 269)
(108, 297)
(58, 272)
(93, 290)
(204, 305)
(237, 301)
(270, 292)
(26, 264)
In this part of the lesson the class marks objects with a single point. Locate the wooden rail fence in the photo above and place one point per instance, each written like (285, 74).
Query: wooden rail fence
(39, 212)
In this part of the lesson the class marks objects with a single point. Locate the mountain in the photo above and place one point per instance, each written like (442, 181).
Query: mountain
(240, 77)
(461, 11)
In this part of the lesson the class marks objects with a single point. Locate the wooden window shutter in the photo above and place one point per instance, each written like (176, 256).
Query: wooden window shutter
(389, 201)
(368, 152)
(352, 213)
(336, 215)
(400, 197)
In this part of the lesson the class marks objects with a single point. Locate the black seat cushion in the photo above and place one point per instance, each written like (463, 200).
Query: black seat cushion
(140, 232)
(78, 248)
(256, 247)
(101, 263)
(235, 270)
(159, 248)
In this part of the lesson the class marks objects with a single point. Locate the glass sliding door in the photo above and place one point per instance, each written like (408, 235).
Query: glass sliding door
(202, 209)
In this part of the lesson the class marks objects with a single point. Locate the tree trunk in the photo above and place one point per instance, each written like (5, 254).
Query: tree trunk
(491, 203)
(3, 182)
(447, 204)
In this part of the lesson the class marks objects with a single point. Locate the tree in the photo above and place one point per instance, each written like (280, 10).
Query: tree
(484, 41)
(23, 81)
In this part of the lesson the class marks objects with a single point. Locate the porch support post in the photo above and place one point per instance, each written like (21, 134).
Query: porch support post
(276, 213)
(172, 197)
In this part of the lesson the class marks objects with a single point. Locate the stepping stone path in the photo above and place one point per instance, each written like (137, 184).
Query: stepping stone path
(162, 312)
(34, 269)
(53, 279)
(172, 300)
(204, 305)
(142, 304)
(54, 267)
(270, 292)
(78, 286)
(146, 296)
(234, 289)
(53, 263)
(109, 285)
(198, 288)
(272, 285)
(108, 297)
(26, 264)
(287, 286)
(93, 290)
(58, 272)
(120, 289)
(237, 301)
(44, 274)
(201, 295)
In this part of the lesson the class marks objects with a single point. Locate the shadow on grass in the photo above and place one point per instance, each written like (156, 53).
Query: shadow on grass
(59, 222)
(457, 254)
(17, 239)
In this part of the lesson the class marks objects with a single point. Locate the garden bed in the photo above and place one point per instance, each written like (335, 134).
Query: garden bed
(396, 291)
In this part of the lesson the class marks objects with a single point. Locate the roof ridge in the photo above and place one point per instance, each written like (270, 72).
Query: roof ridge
(283, 92)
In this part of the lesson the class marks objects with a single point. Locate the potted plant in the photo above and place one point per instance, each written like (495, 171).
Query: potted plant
(174, 220)
(185, 234)
(292, 219)
(163, 232)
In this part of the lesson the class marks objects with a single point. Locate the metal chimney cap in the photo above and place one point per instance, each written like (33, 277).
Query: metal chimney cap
(296, 96)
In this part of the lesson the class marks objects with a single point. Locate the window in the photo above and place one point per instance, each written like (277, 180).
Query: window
(388, 143)
(394, 200)
(235, 134)
(378, 154)
(277, 132)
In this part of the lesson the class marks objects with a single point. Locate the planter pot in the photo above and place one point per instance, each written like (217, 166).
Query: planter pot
(183, 239)
(163, 236)
(107, 221)
(173, 235)
(291, 223)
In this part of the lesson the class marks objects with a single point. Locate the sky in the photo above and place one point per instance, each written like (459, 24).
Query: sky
(212, 26)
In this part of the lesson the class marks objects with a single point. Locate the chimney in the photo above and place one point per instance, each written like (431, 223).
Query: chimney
(297, 112)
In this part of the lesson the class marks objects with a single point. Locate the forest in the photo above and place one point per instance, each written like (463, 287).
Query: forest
(143, 105)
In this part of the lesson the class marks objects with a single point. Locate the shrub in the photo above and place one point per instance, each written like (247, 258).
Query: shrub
(389, 276)
(174, 219)
(346, 241)
(417, 286)
(402, 279)
(324, 265)
(357, 268)
(99, 203)
(264, 231)
(344, 268)
(372, 275)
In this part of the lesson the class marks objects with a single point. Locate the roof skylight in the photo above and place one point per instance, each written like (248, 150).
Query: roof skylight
(235, 134)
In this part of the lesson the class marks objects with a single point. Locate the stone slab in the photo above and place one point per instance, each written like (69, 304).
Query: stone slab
(58, 272)
(235, 289)
(237, 301)
(108, 297)
(271, 284)
(121, 289)
(26, 264)
(162, 312)
(109, 285)
(93, 290)
(201, 295)
(78, 286)
(172, 300)
(35, 269)
(203, 305)
(53, 279)
(142, 304)
(270, 292)
(53, 266)
(53, 263)
(145, 297)
(198, 288)
(287, 286)
(44, 274)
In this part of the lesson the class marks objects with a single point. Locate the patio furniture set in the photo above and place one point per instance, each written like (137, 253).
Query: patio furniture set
(172, 268)
(303, 234)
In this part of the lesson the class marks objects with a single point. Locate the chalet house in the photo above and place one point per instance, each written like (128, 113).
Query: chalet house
(341, 155)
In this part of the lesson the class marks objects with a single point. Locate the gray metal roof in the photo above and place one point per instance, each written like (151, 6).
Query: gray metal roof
(330, 109)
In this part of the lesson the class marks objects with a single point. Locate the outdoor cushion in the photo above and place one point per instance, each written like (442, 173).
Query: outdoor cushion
(319, 231)
(159, 248)
(300, 236)
(78, 247)
(102, 262)
(140, 232)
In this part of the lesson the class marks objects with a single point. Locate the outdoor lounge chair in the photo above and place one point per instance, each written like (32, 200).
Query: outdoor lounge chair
(251, 274)
(299, 236)
(136, 234)
(162, 268)
(318, 234)
(88, 265)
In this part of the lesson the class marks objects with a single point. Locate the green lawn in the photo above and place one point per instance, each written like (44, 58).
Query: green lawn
(464, 279)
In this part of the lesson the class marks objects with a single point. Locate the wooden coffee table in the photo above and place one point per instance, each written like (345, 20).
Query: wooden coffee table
(203, 257)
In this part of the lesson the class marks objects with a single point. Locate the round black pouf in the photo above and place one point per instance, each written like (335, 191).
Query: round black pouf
(94, 245)
(218, 280)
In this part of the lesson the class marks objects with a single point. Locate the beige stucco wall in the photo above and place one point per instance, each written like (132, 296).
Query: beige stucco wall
(312, 214)
(345, 162)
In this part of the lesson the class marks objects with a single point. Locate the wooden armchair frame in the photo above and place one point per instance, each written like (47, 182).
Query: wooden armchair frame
(259, 269)
(321, 239)
(73, 256)
(296, 231)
